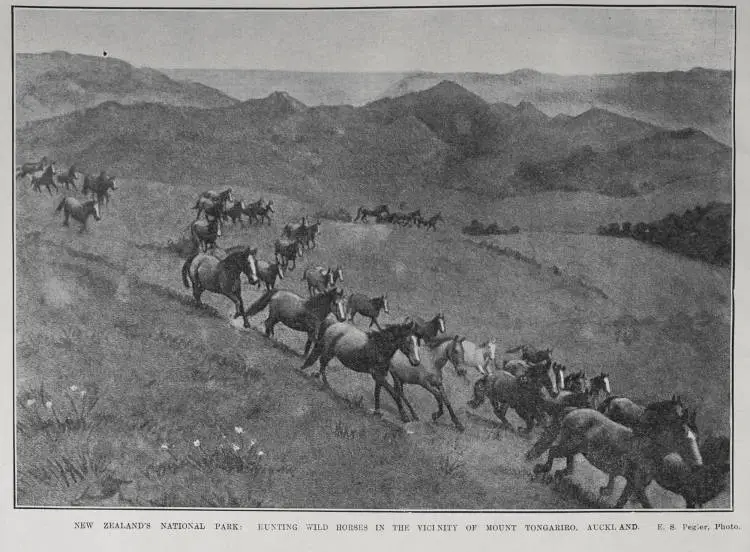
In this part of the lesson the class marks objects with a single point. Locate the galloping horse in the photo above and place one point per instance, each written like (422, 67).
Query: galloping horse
(318, 279)
(530, 354)
(267, 274)
(205, 232)
(432, 222)
(236, 211)
(79, 211)
(619, 450)
(363, 212)
(365, 352)
(69, 179)
(256, 213)
(99, 186)
(542, 375)
(312, 232)
(30, 168)
(428, 330)
(286, 251)
(213, 203)
(297, 313)
(477, 356)
(207, 273)
(46, 179)
(360, 304)
(429, 374)
(507, 391)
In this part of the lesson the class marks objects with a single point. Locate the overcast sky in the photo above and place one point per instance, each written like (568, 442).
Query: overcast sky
(496, 40)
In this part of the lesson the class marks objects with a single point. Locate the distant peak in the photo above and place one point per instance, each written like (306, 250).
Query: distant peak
(525, 73)
(528, 108)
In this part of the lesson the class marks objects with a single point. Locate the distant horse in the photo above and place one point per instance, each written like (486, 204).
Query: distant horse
(697, 484)
(361, 304)
(268, 272)
(236, 211)
(69, 179)
(214, 203)
(256, 213)
(30, 168)
(432, 222)
(205, 232)
(311, 233)
(366, 352)
(363, 212)
(79, 211)
(286, 251)
(402, 219)
(530, 354)
(296, 232)
(429, 374)
(619, 450)
(427, 330)
(414, 217)
(47, 179)
(507, 391)
(99, 187)
(207, 273)
(478, 356)
(318, 279)
(303, 315)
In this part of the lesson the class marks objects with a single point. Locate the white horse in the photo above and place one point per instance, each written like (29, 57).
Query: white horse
(477, 356)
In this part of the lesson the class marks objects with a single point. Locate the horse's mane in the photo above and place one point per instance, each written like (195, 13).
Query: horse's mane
(437, 341)
(237, 257)
(317, 300)
(388, 334)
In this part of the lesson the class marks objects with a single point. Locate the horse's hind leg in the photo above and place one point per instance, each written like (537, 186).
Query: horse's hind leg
(373, 320)
(453, 416)
(399, 387)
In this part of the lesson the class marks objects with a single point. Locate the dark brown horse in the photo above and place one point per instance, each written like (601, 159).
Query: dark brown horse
(504, 391)
(363, 212)
(286, 251)
(208, 273)
(362, 352)
(427, 330)
(361, 304)
(303, 315)
(204, 233)
(31, 168)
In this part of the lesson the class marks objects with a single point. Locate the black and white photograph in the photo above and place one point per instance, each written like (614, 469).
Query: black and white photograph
(402, 259)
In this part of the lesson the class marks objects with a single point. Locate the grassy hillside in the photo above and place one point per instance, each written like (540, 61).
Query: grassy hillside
(167, 373)
(55, 83)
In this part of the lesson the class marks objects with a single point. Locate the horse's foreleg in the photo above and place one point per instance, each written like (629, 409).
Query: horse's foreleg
(197, 292)
(375, 321)
(500, 410)
(380, 379)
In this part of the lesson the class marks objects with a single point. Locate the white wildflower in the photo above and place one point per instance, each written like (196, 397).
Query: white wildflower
(235, 447)
(30, 402)
(238, 430)
(164, 446)
(197, 443)
(261, 453)
(74, 388)
(48, 404)
(252, 442)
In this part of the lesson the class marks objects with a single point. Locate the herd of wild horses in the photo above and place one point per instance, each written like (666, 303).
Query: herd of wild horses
(578, 415)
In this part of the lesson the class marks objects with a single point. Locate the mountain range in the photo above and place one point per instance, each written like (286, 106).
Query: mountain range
(443, 138)
(699, 98)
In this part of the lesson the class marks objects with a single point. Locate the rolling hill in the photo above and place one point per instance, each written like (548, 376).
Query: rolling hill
(422, 145)
(56, 83)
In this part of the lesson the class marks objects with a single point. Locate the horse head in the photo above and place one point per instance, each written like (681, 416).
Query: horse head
(336, 297)
(408, 344)
(383, 301)
(251, 265)
(481, 390)
(441, 322)
(92, 206)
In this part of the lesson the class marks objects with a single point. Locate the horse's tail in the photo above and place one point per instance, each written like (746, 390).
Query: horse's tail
(261, 303)
(186, 269)
(605, 404)
(60, 206)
